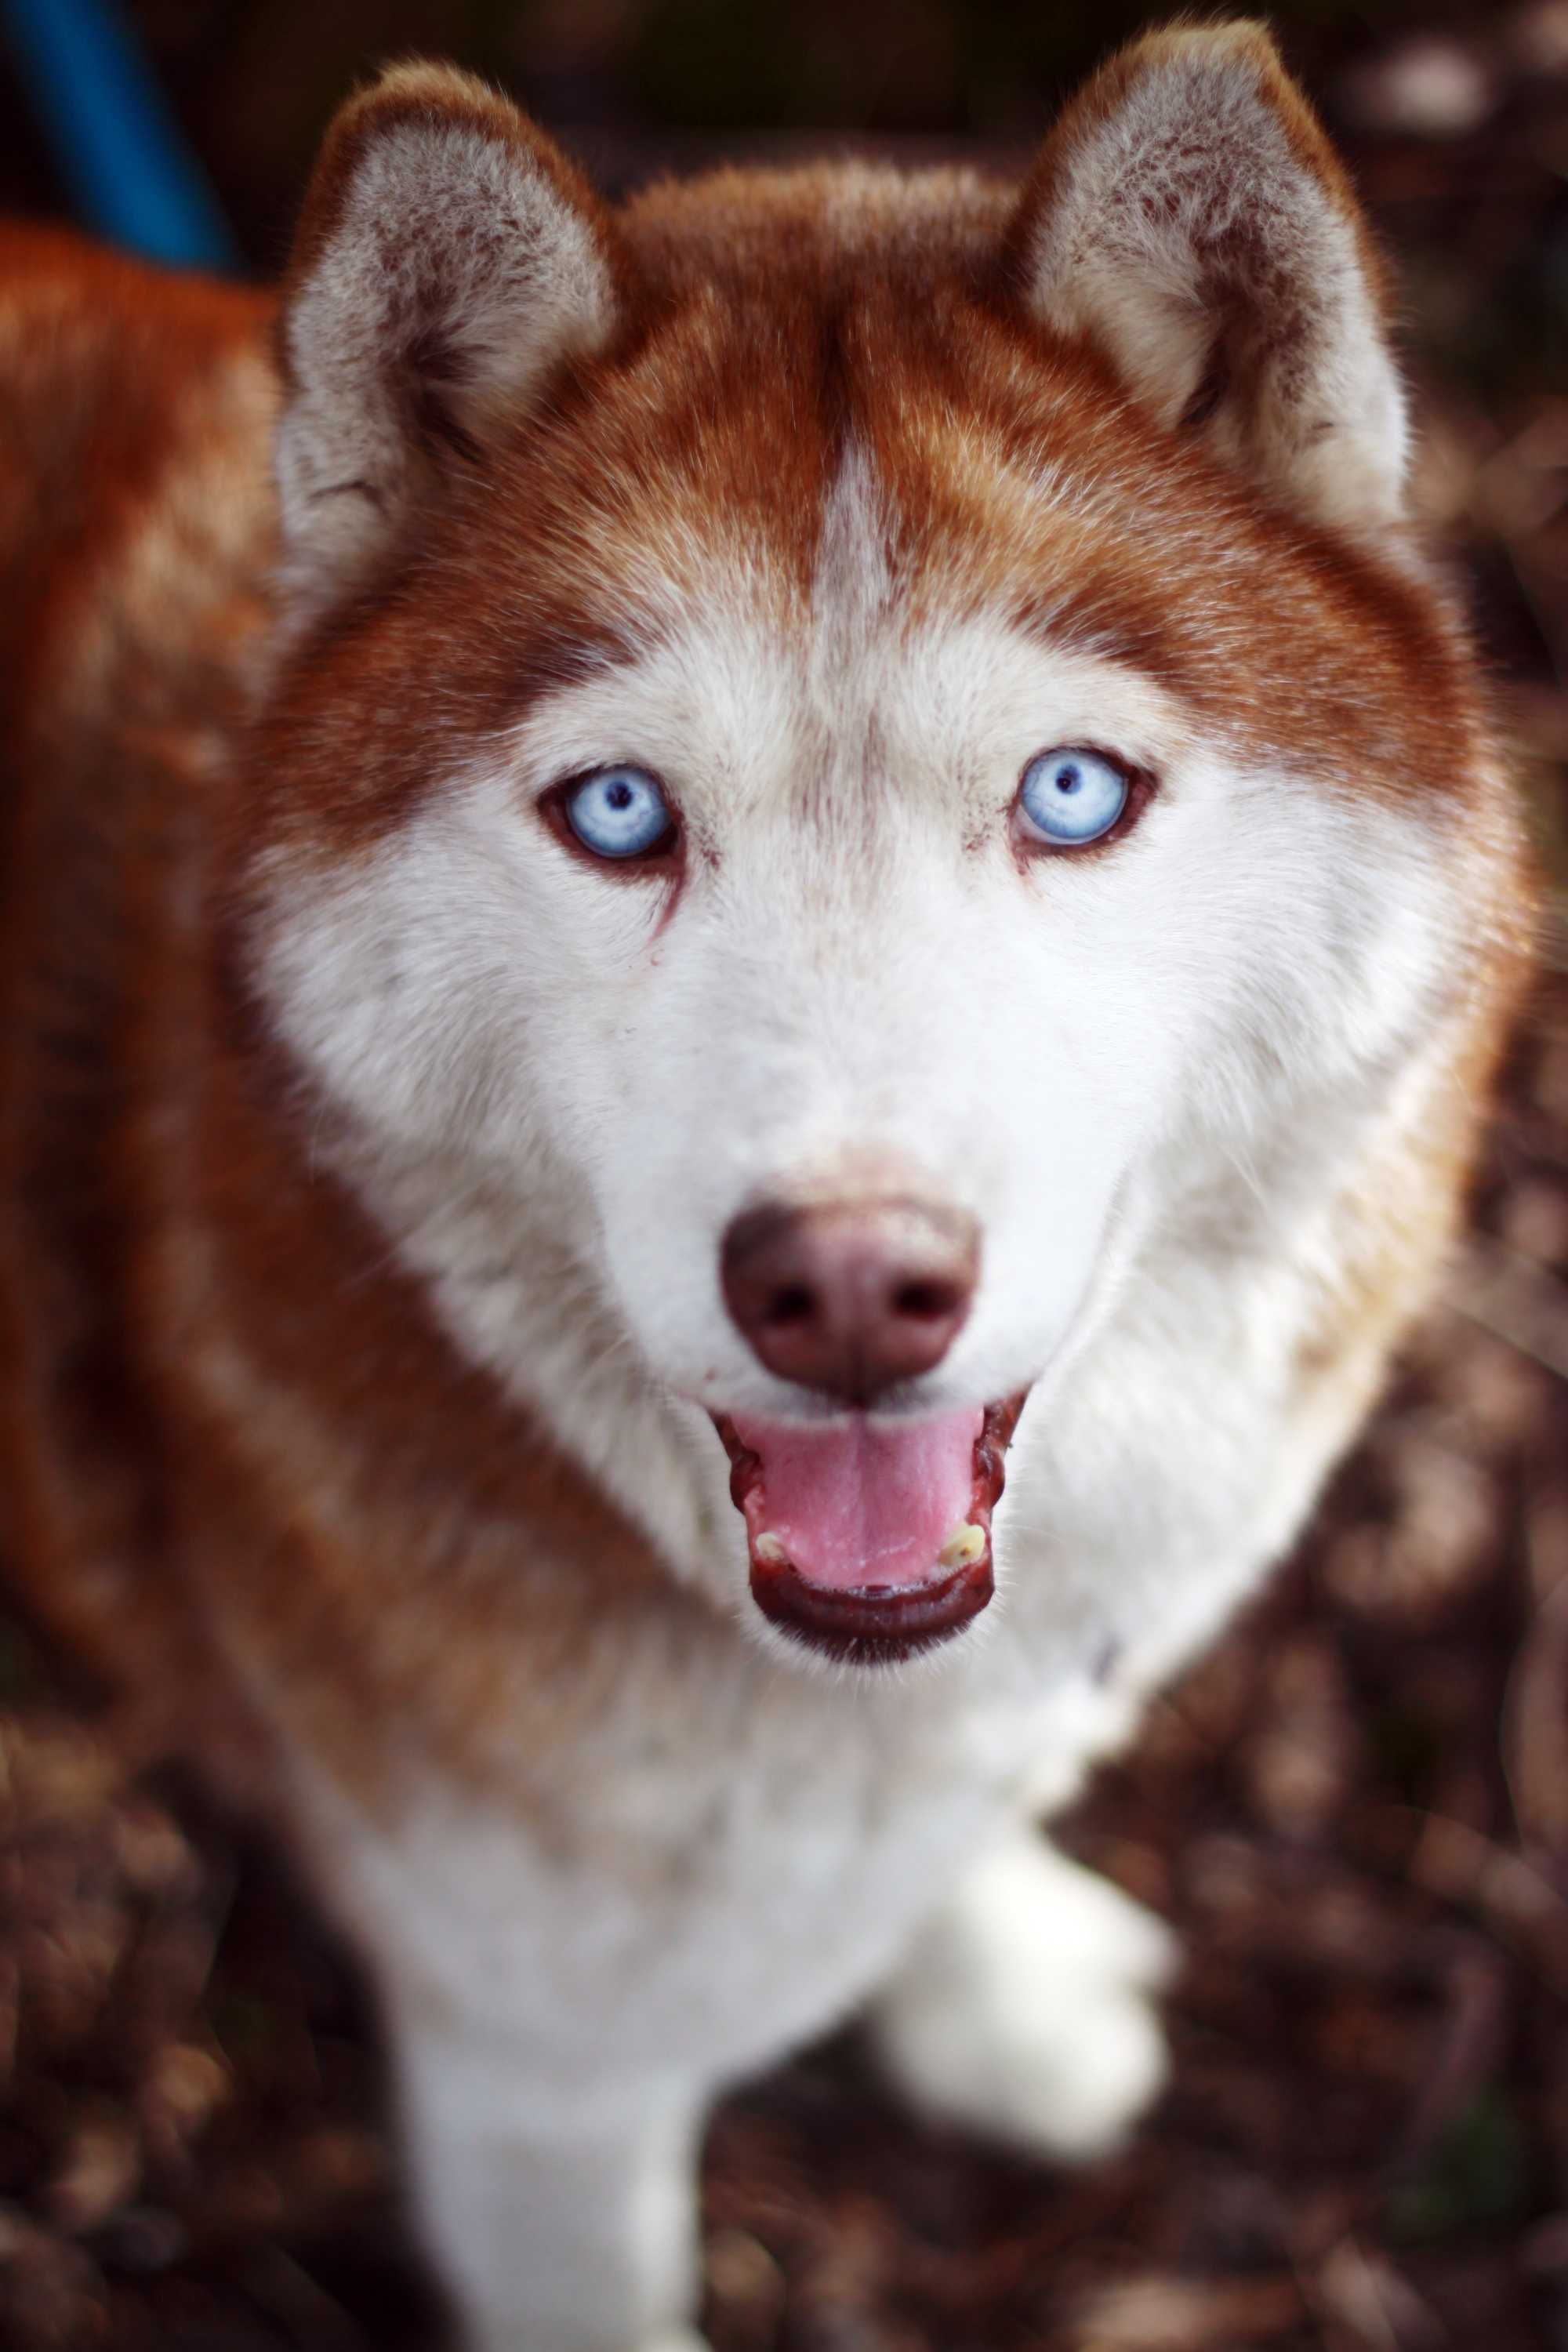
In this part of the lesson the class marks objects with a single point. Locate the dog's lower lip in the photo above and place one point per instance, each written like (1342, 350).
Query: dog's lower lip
(872, 1624)
(867, 1626)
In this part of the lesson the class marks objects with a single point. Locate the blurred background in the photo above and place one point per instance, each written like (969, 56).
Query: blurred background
(1356, 1812)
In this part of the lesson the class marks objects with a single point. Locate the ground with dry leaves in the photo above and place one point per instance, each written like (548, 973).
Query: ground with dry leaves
(1355, 1813)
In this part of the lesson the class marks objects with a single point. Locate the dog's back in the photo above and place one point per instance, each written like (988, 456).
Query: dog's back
(134, 533)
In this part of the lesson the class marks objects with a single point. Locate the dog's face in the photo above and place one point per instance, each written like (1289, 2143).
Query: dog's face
(793, 778)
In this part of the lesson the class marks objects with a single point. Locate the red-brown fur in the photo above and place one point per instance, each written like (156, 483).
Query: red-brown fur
(229, 1428)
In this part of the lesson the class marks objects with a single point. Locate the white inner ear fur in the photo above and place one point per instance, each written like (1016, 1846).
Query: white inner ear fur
(1184, 226)
(458, 272)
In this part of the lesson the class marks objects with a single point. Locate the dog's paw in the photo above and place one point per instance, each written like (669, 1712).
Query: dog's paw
(1026, 2011)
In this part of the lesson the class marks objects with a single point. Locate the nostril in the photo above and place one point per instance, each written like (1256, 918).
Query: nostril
(927, 1302)
(794, 1303)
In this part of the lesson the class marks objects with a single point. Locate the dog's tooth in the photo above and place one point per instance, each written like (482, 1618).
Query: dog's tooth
(769, 1548)
(964, 1544)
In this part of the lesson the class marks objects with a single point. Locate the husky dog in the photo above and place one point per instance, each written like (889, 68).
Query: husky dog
(684, 884)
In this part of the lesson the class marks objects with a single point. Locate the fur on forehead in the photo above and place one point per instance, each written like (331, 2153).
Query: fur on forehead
(1001, 472)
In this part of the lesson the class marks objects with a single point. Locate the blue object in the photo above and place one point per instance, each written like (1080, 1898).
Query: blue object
(619, 812)
(1070, 797)
(114, 139)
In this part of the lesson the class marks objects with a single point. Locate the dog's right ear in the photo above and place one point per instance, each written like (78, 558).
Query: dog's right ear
(448, 258)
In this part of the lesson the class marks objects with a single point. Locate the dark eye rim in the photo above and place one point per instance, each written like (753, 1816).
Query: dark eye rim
(1141, 786)
(666, 854)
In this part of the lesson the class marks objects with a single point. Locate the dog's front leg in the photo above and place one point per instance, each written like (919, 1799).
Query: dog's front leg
(560, 2223)
(1024, 2010)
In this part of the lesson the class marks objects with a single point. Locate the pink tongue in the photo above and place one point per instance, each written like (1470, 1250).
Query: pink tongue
(855, 1504)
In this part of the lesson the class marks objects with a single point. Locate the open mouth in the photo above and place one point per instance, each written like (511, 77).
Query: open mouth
(870, 1541)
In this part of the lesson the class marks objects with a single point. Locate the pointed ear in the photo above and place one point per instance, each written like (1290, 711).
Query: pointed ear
(448, 258)
(1188, 216)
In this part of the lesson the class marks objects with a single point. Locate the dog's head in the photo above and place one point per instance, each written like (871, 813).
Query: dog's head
(846, 750)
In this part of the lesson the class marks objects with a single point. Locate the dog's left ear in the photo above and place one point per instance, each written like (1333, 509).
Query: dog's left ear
(447, 261)
(1189, 217)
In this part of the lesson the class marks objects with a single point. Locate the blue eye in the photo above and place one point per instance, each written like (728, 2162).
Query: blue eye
(1069, 797)
(619, 812)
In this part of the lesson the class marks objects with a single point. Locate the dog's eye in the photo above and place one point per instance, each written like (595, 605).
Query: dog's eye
(619, 812)
(1068, 797)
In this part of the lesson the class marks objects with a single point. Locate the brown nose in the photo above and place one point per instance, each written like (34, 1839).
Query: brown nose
(851, 1296)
